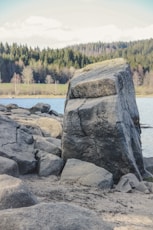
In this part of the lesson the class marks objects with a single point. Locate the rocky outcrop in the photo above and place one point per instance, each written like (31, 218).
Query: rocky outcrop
(53, 216)
(85, 173)
(14, 193)
(25, 134)
(17, 144)
(101, 121)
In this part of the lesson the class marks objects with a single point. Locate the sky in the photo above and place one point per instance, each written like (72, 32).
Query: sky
(60, 23)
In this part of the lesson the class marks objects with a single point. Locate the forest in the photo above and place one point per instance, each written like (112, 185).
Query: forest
(31, 65)
(27, 65)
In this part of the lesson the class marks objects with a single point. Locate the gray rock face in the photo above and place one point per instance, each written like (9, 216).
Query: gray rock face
(14, 193)
(41, 107)
(49, 164)
(8, 166)
(17, 144)
(101, 121)
(54, 216)
(41, 143)
(86, 173)
(127, 183)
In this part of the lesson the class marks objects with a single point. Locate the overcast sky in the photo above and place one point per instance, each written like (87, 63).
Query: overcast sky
(58, 23)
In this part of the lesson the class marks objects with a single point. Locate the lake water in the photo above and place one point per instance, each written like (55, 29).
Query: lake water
(57, 104)
(145, 107)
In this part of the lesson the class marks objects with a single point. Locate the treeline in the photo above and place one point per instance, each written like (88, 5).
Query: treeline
(139, 54)
(21, 64)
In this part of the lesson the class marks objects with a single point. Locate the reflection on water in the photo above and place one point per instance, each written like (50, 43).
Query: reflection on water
(145, 106)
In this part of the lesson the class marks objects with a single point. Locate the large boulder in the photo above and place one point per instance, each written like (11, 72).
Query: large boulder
(14, 193)
(17, 144)
(101, 121)
(54, 216)
(85, 173)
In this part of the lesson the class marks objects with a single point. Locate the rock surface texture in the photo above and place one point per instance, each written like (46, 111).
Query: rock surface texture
(54, 216)
(85, 173)
(101, 122)
(14, 193)
(17, 144)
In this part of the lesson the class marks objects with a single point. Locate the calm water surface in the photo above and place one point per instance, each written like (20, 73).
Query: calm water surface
(145, 106)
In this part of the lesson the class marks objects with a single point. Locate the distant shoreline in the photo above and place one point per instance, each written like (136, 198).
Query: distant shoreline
(58, 96)
(32, 96)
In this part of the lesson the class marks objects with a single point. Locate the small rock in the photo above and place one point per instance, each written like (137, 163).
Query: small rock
(41, 107)
(149, 186)
(49, 164)
(127, 183)
(142, 187)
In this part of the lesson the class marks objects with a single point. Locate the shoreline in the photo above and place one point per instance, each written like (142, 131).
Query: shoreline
(58, 96)
(31, 96)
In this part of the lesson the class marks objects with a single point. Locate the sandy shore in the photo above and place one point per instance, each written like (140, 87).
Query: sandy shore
(125, 211)
(59, 96)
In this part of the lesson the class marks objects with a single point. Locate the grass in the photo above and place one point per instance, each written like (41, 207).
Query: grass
(32, 90)
(143, 91)
(51, 90)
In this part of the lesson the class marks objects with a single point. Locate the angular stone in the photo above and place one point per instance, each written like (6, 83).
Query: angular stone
(127, 183)
(41, 107)
(149, 186)
(17, 144)
(49, 164)
(101, 120)
(42, 144)
(86, 173)
(142, 187)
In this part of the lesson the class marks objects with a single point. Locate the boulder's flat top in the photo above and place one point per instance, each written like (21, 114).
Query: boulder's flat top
(104, 68)
(97, 80)
(114, 63)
